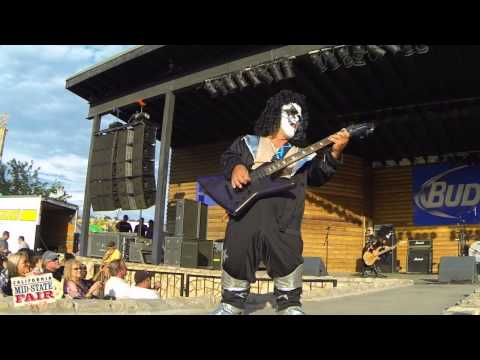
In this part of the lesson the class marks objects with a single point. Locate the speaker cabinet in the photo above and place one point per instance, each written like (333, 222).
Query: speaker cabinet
(314, 266)
(140, 251)
(419, 260)
(187, 218)
(461, 269)
(97, 243)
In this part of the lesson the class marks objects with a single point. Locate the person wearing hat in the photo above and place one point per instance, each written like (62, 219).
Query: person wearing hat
(51, 264)
(142, 288)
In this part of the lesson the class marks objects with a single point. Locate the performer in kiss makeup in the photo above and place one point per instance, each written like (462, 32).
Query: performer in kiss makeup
(270, 230)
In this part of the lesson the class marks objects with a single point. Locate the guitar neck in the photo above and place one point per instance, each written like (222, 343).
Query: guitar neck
(282, 164)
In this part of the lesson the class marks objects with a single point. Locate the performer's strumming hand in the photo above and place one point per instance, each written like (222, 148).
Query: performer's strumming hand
(240, 176)
(340, 141)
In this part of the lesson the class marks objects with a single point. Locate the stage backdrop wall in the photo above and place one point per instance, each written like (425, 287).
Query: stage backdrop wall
(339, 206)
(394, 191)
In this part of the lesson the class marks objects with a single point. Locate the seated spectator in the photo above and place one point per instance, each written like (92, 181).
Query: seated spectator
(110, 255)
(89, 282)
(36, 264)
(142, 288)
(22, 244)
(51, 264)
(17, 266)
(3, 273)
(116, 287)
(75, 287)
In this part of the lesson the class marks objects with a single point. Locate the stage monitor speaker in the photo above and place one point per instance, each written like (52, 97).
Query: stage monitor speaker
(174, 251)
(187, 218)
(97, 243)
(139, 250)
(314, 266)
(210, 254)
(460, 269)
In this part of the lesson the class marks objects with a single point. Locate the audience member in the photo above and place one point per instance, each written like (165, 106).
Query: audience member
(77, 288)
(124, 225)
(149, 234)
(141, 229)
(22, 244)
(51, 264)
(89, 282)
(116, 287)
(17, 266)
(3, 272)
(4, 243)
(142, 288)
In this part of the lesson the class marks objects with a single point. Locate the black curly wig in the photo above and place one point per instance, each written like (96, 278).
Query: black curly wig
(269, 121)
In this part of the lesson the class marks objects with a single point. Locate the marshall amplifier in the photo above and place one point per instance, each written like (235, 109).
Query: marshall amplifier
(419, 256)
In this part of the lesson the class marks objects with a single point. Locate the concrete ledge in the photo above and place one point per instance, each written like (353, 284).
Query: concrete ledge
(470, 305)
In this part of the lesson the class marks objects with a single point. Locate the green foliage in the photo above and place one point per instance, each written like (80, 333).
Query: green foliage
(21, 178)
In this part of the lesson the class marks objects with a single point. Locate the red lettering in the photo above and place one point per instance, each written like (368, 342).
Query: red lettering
(18, 298)
(48, 294)
(29, 297)
(39, 295)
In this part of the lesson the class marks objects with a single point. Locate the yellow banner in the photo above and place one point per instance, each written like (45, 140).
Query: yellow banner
(18, 215)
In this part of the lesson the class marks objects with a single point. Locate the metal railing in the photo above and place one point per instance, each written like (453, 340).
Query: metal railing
(256, 286)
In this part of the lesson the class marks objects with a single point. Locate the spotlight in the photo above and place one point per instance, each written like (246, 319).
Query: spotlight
(265, 75)
(287, 68)
(240, 80)
(408, 50)
(277, 73)
(358, 53)
(422, 49)
(231, 86)
(210, 88)
(253, 77)
(331, 59)
(221, 86)
(394, 49)
(375, 52)
(345, 57)
(319, 61)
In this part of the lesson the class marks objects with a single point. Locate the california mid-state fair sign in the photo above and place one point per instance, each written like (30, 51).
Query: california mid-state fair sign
(444, 194)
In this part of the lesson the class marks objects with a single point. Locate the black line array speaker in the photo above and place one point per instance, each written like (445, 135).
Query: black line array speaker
(419, 257)
(135, 167)
(187, 218)
(102, 187)
(461, 269)
(122, 168)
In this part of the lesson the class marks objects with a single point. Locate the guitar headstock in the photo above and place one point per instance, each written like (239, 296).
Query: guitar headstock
(361, 130)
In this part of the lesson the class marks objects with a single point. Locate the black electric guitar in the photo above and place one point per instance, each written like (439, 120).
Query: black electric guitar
(264, 182)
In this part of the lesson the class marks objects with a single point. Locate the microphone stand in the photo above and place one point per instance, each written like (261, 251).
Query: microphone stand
(326, 244)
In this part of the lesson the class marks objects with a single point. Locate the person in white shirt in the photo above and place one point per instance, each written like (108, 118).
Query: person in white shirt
(142, 288)
(474, 250)
(116, 287)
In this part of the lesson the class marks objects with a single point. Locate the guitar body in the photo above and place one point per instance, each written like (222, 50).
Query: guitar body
(264, 181)
(370, 258)
(237, 201)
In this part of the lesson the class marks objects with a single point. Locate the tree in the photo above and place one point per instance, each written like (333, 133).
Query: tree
(21, 178)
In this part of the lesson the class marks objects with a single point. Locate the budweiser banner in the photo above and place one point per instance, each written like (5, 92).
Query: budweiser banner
(444, 194)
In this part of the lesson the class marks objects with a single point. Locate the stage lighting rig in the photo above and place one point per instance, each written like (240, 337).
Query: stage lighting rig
(211, 88)
(242, 83)
(252, 76)
(408, 50)
(221, 86)
(228, 80)
(394, 49)
(344, 55)
(264, 74)
(330, 59)
(287, 67)
(422, 49)
(276, 71)
(318, 60)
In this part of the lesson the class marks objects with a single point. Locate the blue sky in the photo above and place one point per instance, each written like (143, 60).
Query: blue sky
(46, 122)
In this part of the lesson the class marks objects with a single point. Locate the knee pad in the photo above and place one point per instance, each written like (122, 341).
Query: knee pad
(291, 281)
(231, 284)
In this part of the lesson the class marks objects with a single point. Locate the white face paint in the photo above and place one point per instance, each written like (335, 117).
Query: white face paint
(291, 116)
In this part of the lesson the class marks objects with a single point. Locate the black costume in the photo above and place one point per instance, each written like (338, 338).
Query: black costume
(270, 230)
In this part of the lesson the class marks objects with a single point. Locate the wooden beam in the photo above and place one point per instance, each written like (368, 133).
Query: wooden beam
(199, 77)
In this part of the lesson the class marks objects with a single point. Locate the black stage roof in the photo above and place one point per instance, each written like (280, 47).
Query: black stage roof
(424, 104)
